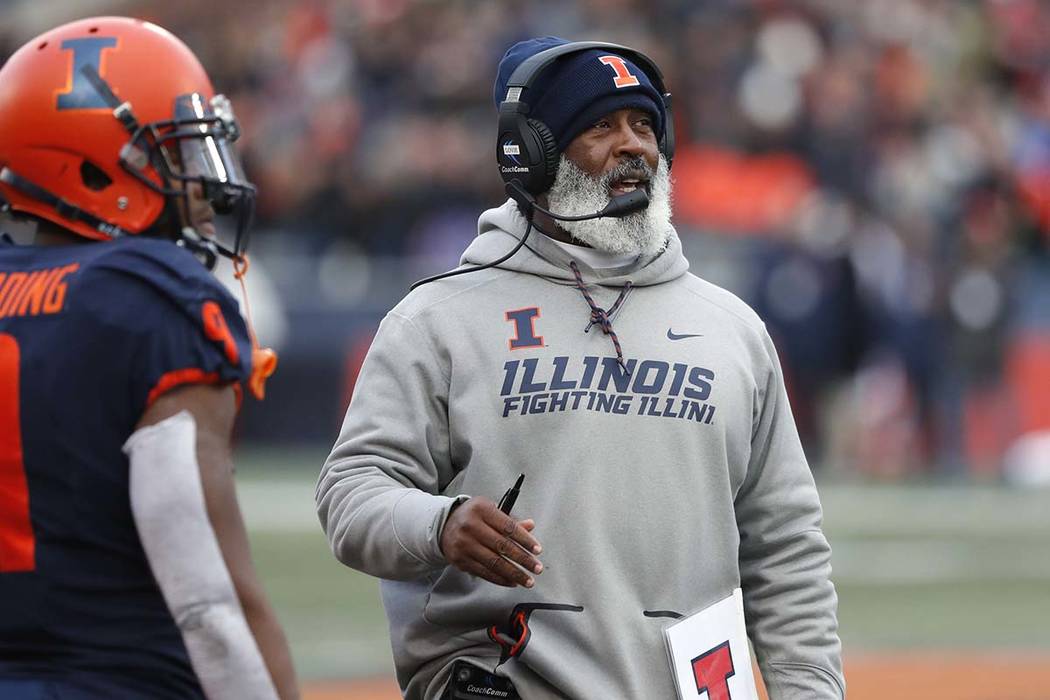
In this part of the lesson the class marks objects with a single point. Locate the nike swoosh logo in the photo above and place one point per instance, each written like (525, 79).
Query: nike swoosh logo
(671, 335)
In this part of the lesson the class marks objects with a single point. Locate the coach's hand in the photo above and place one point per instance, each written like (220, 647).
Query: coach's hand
(482, 540)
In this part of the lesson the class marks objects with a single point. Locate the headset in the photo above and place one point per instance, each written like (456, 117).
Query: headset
(527, 152)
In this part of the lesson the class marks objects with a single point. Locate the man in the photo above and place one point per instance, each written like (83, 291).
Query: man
(124, 563)
(663, 469)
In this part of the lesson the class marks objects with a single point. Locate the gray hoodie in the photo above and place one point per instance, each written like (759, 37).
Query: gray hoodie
(655, 492)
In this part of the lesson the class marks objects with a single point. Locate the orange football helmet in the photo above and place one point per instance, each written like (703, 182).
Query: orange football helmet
(104, 122)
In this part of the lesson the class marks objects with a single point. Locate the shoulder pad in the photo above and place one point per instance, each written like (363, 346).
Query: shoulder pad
(155, 288)
(171, 271)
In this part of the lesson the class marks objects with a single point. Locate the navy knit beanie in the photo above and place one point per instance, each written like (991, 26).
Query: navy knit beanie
(578, 89)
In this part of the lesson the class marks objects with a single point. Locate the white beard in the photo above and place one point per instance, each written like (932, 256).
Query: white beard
(646, 232)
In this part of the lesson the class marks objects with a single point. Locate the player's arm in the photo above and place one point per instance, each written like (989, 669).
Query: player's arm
(213, 410)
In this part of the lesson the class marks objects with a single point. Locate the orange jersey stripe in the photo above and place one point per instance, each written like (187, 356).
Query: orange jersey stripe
(189, 375)
(178, 377)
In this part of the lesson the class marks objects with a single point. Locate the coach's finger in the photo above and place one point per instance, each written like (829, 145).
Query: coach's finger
(511, 549)
(496, 567)
(482, 570)
(503, 569)
(478, 569)
(514, 529)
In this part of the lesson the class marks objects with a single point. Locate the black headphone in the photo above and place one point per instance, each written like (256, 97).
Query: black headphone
(526, 150)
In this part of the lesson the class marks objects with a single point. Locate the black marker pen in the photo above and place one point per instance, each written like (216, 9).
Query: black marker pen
(507, 502)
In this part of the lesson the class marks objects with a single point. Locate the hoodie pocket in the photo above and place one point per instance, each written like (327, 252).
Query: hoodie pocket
(462, 603)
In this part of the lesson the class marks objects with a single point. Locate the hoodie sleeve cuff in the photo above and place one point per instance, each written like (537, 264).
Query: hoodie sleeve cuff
(419, 519)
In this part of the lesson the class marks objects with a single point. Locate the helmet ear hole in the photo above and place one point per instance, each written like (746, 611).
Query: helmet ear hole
(93, 177)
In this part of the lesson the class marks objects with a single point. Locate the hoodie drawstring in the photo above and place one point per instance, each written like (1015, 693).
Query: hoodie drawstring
(600, 316)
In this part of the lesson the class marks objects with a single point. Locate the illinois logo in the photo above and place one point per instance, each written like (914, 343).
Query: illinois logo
(524, 321)
(623, 78)
(79, 92)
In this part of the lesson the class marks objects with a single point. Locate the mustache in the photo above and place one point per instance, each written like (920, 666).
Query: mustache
(631, 167)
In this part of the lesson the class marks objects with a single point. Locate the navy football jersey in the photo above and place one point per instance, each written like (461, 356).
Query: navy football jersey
(90, 335)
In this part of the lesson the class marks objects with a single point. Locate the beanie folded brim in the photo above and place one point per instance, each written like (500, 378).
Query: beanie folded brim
(605, 105)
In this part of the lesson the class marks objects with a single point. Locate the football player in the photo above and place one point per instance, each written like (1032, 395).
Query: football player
(124, 563)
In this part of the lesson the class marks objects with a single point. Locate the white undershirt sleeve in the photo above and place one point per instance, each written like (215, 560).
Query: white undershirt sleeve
(167, 501)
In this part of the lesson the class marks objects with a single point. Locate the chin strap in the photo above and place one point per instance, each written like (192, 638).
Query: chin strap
(65, 209)
(264, 360)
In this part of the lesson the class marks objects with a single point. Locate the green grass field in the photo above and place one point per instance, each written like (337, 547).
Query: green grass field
(917, 567)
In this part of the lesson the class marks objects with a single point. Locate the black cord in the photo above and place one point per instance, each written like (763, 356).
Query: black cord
(476, 268)
(621, 205)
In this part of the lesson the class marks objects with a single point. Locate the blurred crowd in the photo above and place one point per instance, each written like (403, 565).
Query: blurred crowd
(873, 177)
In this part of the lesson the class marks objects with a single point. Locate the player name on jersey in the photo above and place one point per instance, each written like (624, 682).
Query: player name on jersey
(35, 292)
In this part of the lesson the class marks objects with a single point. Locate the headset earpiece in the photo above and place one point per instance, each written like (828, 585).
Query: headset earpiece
(526, 150)
(666, 144)
(550, 157)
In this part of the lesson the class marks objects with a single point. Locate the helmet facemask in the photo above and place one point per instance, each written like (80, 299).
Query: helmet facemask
(195, 149)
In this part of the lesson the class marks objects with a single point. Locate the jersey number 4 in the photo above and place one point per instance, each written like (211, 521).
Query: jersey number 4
(17, 544)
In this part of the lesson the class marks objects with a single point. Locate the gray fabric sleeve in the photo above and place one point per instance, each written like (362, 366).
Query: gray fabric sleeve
(789, 600)
(378, 493)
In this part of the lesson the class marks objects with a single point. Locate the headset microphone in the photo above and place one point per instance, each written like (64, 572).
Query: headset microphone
(618, 207)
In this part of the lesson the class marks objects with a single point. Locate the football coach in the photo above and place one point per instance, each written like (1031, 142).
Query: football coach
(568, 443)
